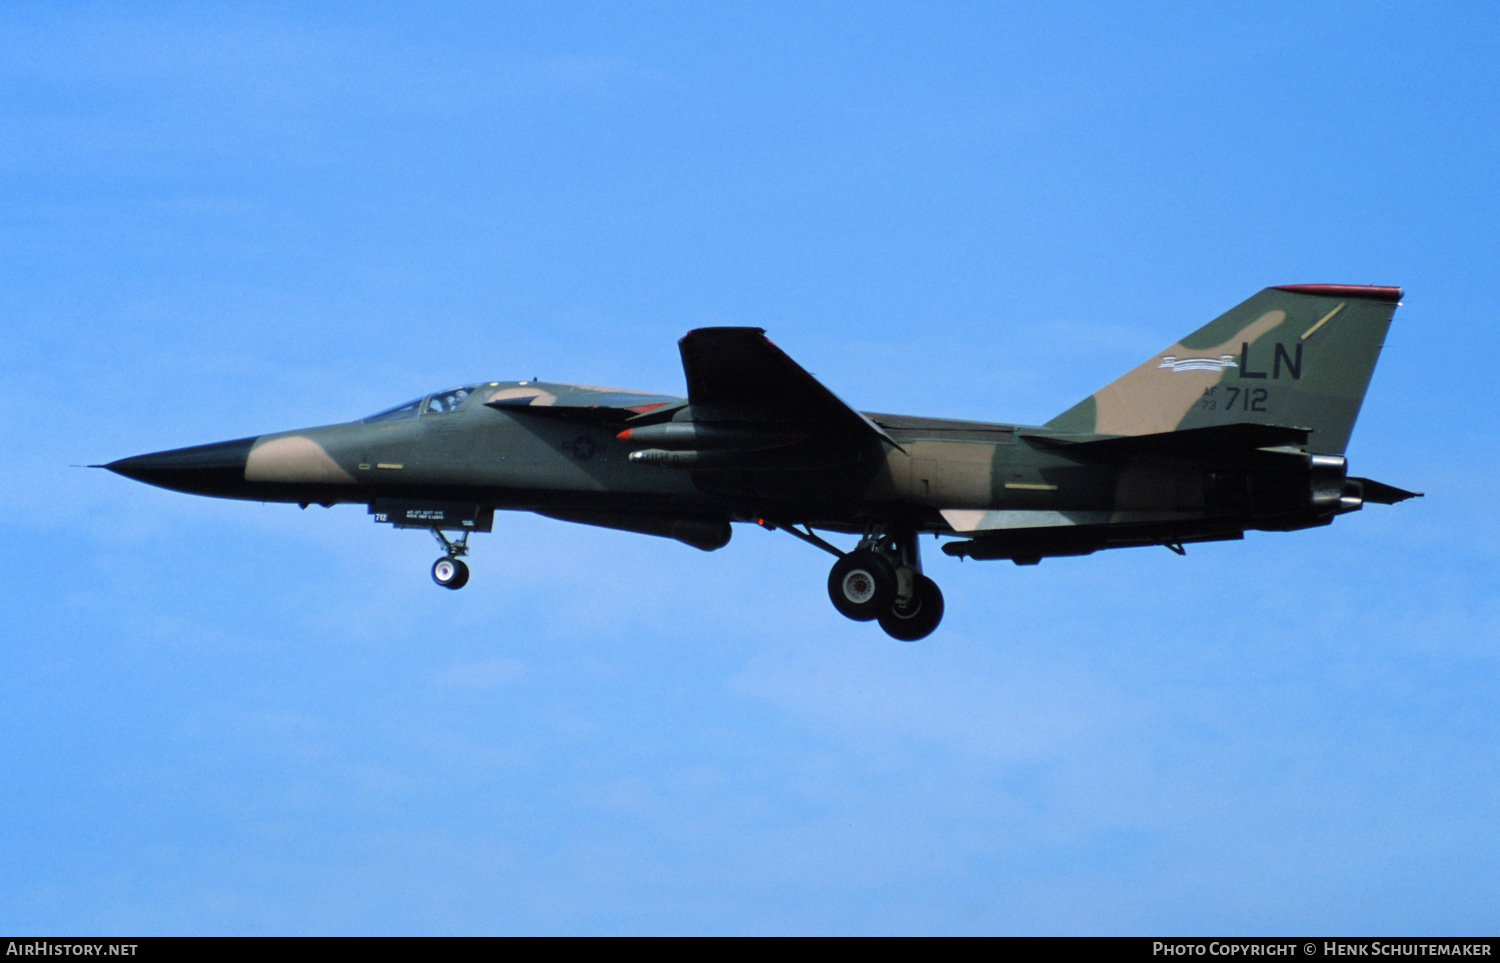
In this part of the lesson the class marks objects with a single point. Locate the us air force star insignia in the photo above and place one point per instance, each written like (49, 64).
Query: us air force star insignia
(583, 447)
(1175, 363)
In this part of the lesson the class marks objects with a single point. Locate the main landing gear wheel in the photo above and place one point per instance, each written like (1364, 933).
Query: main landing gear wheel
(450, 573)
(862, 585)
(915, 618)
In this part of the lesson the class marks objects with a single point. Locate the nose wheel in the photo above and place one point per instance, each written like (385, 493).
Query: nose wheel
(450, 573)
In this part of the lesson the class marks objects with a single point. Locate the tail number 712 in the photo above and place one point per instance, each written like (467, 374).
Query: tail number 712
(1249, 399)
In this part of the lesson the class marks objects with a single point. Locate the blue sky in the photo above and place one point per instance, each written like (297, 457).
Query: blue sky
(224, 717)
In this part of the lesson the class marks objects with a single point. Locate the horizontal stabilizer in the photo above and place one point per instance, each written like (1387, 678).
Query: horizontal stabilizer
(1381, 494)
(1213, 439)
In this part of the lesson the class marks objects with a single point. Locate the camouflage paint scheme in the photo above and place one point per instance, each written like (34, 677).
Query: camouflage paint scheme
(1241, 425)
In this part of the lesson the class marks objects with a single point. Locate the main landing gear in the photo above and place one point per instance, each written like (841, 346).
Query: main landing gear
(882, 581)
(450, 571)
(915, 616)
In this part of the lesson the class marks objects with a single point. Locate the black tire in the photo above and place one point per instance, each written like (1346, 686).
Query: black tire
(450, 573)
(862, 585)
(919, 617)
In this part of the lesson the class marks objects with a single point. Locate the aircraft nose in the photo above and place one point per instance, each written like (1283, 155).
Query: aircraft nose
(202, 469)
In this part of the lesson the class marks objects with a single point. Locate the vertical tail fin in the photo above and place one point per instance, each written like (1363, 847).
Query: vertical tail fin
(1299, 356)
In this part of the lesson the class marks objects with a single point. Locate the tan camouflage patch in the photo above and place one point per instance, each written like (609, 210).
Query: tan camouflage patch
(1156, 396)
(293, 459)
(956, 474)
(539, 398)
(1016, 519)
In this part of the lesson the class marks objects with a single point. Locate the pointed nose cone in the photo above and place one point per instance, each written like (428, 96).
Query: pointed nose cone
(217, 469)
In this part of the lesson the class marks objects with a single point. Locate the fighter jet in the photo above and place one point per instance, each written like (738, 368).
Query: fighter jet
(1242, 425)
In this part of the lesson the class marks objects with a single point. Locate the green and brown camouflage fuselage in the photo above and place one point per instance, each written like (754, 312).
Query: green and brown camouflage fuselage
(1241, 425)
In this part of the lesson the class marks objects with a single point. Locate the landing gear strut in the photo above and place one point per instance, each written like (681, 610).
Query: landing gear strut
(882, 580)
(450, 571)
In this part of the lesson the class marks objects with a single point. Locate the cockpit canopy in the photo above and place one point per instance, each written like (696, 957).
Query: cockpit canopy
(446, 402)
(408, 410)
(441, 403)
(532, 394)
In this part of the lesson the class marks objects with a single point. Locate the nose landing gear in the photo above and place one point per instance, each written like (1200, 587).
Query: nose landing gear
(450, 571)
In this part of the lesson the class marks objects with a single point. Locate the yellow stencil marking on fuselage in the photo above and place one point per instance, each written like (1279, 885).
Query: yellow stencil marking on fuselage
(1029, 487)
